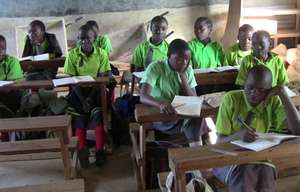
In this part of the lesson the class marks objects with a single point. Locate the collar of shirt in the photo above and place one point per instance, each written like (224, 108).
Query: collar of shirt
(79, 51)
(155, 46)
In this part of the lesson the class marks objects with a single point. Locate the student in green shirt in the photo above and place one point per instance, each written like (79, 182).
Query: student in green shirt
(163, 80)
(264, 109)
(205, 52)
(85, 102)
(261, 44)
(154, 49)
(38, 41)
(235, 54)
(10, 70)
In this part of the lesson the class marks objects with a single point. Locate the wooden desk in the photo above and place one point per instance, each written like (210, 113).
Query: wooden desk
(46, 64)
(203, 157)
(48, 84)
(227, 77)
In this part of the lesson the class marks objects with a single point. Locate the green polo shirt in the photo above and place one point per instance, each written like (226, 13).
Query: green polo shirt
(165, 82)
(104, 43)
(234, 55)
(267, 118)
(10, 69)
(206, 56)
(274, 63)
(141, 52)
(78, 64)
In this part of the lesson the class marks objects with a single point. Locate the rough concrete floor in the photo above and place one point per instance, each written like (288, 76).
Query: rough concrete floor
(115, 176)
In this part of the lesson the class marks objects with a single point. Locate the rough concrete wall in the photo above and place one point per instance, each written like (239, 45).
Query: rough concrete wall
(38, 8)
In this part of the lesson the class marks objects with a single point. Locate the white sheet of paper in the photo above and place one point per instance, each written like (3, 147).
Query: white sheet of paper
(214, 99)
(3, 83)
(217, 69)
(187, 105)
(264, 141)
(63, 81)
(290, 92)
(41, 57)
(87, 78)
(138, 74)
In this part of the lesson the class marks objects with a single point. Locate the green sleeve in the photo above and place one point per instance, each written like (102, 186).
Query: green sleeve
(104, 62)
(241, 77)
(151, 75)
(137, 58)
(69, 65)
(224, 124)
(191, 77)
(107, 46)
(15, 71)
(220, 55)
(192, 61)
(282, 76)
(278, 116)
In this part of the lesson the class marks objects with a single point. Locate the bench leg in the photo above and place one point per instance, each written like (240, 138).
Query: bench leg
(74, 165)
(179, 180)
(65, 154)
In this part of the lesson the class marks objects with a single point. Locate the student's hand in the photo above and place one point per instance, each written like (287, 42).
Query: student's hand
(278, 90)
(247, 135)
(167, 108)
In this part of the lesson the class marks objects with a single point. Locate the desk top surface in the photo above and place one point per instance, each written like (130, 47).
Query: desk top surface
(204, 157)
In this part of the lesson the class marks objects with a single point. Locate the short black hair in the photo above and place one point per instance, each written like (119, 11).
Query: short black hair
(158, 19)
(178, 45)
(206, 20)
(2, 38)
(92, 23)
(262, 33)
(38, 23)
(85, 29)
(261, 72)
(246, 28)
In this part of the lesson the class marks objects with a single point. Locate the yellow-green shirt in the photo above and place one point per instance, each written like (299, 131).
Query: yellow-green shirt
(10, 69)
(274, 63)
(234, 55)
(267, 118)
(140, 55)
(165, 82)
(206, 56)
(104, 43)
(78, 64)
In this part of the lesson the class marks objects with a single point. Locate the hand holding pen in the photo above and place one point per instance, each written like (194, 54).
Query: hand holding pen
(247, 133)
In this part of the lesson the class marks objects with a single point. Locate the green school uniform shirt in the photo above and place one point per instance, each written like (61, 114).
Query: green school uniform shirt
(141, 53)
(206, 56)
(234, 55)
(274, 63)
(104, 43)
(78, 64)
(165, 82)
(10, 69)
(267, 118)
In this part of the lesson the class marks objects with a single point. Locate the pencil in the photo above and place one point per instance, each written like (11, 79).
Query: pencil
(243, 123)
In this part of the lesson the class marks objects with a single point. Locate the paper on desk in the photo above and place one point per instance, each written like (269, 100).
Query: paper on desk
(139, 74)
(3, 83)
(72, 80)
(187, 105)
(217, 69)
(214, 99)
(40, 57)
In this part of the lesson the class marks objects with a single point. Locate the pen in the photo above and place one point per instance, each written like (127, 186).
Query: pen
(243, 123)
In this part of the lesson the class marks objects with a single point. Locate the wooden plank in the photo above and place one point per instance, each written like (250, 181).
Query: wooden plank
(46, 64)
(268, 12)
(76, 185)
(33, 146)
(286, 34)
(146, 114)
(226, 77)
(54, 123)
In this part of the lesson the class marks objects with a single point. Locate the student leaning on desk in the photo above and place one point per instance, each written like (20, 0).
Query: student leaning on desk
(165, 79)
(264, 109)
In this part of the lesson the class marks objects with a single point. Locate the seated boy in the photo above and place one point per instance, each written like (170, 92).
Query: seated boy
(38, 41)
(154, 49)
(10, 70)
(235, 54)
(261, 44)
(264, 109)
(85, 102)
(166, 78)
(205, 53)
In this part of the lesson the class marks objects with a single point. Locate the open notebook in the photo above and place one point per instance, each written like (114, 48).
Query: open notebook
(264, 141)
(3, 83)
(217, 69)
(40, 57)
(187, 105)
(72, 80)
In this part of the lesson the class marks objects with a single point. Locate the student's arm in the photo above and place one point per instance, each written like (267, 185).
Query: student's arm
(292, 114)
(147, 99)
(137, 62)
(186, 90)
(244, 134)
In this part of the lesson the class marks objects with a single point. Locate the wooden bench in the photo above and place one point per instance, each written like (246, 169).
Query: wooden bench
(60, 124)
(76, 185)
